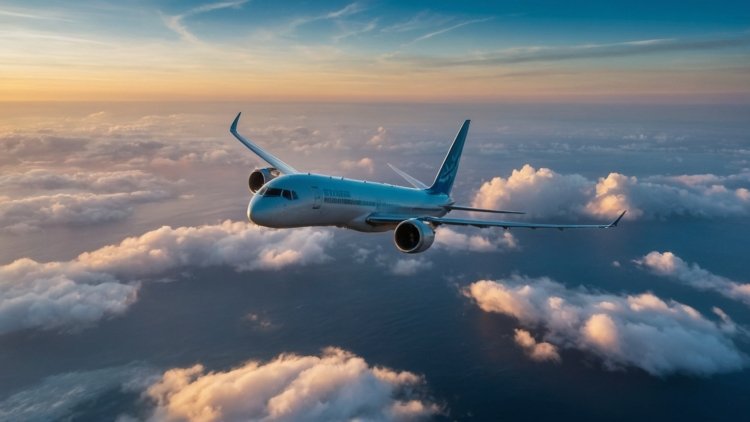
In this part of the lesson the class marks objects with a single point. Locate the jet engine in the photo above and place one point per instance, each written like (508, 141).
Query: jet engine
(413, 236)
(260, 177)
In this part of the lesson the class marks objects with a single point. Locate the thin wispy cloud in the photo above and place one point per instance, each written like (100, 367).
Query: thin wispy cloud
(176, 22)
(518, 55)
(448, 29)
(348, 10)
(29, 15)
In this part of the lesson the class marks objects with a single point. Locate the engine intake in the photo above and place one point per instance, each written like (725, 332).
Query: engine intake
(260, 177)
(413, 236)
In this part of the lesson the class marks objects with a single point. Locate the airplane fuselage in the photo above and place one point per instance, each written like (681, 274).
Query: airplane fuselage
(304, 199)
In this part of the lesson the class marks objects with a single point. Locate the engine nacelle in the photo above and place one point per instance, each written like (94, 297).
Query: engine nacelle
(260, 177)
(413, 236)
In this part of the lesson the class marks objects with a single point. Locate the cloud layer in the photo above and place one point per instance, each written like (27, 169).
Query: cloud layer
(104, 282)
(334, 386)
(675, 268)
(545, 193)
(642, 330)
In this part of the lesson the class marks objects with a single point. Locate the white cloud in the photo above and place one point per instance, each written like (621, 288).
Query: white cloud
(454, 240)
(176, 24)
(672, 266)
(365, 164)
(101, 283)
(540, 193)
(642, 330)
(410, 266)
(106, 182)
(379, 138)
(541, 352)
(334, 386)
(545, 193)
(31, 213)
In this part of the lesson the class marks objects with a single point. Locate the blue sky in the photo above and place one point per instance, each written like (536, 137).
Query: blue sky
(390, 51)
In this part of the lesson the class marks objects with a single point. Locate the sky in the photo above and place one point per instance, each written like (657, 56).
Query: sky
(375, 51)
(133, 288)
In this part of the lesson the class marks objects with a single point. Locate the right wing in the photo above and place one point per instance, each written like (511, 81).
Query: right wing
(267, 156)
(395, 219)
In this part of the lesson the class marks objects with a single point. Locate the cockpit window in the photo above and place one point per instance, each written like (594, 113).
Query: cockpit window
(273, 192)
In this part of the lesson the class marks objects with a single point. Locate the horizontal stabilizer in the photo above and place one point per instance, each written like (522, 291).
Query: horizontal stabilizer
(414, 182)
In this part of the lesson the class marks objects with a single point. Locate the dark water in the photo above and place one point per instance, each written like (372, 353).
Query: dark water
(420, 323)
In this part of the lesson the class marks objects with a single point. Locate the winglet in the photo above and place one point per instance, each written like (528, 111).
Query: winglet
(614, 223)
(233, 129)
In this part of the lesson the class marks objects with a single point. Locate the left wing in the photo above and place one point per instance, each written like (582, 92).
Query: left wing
(265, 155)
(395, 219)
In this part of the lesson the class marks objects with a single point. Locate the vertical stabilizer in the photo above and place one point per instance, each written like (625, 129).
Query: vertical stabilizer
(447, 174)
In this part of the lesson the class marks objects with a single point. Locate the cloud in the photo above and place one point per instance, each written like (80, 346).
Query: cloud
(176, 24)
(105, 282)
(545, 193)
(379, 138)
(540, 352)
(32, 213)
(334, 386)
(454, 240)
(669, 265)
(540, 193)
(109, 181)
(448, 29)
(530, 54)
(410, 266)
(365, 164)
(643, 331)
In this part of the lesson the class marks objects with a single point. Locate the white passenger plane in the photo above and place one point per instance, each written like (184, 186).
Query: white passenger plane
(284, 198)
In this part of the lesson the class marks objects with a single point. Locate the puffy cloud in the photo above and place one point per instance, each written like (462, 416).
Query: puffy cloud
(672, 266)
(410, 266)
(454, 240)
(334, 386)
(537, 351)
(623, 330)
(379, 138)
(107, 182)
(652, 199)
(103, 282)
(31, 213)
(365, 164)
(542, 193)
(545, 193)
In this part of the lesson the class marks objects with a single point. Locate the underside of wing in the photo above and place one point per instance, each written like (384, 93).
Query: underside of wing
(395, 219)
(265, 155)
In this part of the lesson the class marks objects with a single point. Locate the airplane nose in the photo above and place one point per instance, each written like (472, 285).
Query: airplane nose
(257, 212)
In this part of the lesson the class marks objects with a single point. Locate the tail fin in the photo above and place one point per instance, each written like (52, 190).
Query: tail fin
(444, 179)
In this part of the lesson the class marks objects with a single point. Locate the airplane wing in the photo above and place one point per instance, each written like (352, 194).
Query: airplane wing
(265, 155)
(395, 219)
(463, 208)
